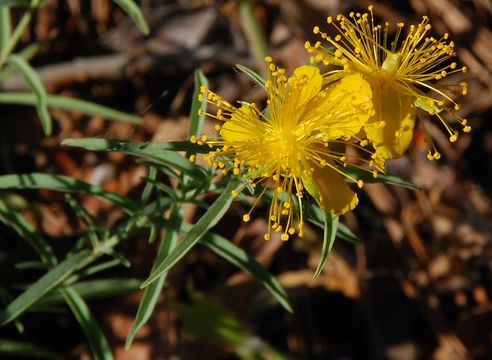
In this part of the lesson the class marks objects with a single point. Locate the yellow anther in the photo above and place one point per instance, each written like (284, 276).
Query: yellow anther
(192, 157)
(453, 137)
(193, 139)
(267, 237)
(246, 217)
(467, 129)
(284, 237)
(360, 184)
(292, 231)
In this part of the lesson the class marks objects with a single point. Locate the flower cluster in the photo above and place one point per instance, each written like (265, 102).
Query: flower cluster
(359, 113)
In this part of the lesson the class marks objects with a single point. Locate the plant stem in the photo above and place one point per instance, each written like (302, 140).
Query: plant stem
(19, 30)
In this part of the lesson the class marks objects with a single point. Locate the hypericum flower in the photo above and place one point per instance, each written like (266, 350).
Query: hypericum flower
(399, 72)
(295, 145)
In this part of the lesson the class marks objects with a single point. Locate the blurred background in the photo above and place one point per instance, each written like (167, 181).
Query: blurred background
(419, 284)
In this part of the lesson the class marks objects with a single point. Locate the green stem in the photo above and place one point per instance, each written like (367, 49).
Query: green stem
(5, 26)
(19, 30)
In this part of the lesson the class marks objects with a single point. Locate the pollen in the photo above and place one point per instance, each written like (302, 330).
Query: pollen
(294, 147)
(405, 70)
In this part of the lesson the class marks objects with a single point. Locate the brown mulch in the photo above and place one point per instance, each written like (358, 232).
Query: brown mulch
(418, 286)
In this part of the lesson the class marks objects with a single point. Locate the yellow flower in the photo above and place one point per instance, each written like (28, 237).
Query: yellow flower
(400, 71)
(295, 145)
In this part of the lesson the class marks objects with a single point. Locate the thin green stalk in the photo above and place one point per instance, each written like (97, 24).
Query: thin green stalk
(5, 26)
(19, 30)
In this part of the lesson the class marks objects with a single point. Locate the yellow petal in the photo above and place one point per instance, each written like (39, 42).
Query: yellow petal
(391, 128)
(241, 126)
(313, 82)
(347, 105)
(330, 190)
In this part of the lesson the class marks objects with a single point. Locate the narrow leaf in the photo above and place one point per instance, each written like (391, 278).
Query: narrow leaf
(13, 3)
(316, 216)
(331, 224)
(152, 292)
(15, 220)
(25, 349)
(241, 259)
(135, 13)
(367, 177)
(36, 84)
(44, 285)
(253, 75)
(92, 289)
(164, 157)
(70, 104)
(5, 26)
(254, 33)
(206, 222)
(64, 184)
(97, 341)
(27, 53)
(196, 120)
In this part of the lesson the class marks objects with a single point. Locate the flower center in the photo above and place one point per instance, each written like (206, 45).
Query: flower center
(391, 64)
(285, 149)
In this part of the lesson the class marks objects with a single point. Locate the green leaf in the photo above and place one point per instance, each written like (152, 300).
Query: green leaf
(25, 349)
(36, 84)
(253, 75)
(254, 33)
(241, 259)
(12, 3)
(156, 154)
(152, 292)
(331, 224)
(27, 53)
(367, 177)
(206, 320)
(97, 341)
(92, 289)
(196, 121)
(206, 222)
(316, 216)
(149, 184)
(70, 104)
(5, 26)
(135, 13)
(13, 219)
(43, 285)
(64, 184)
